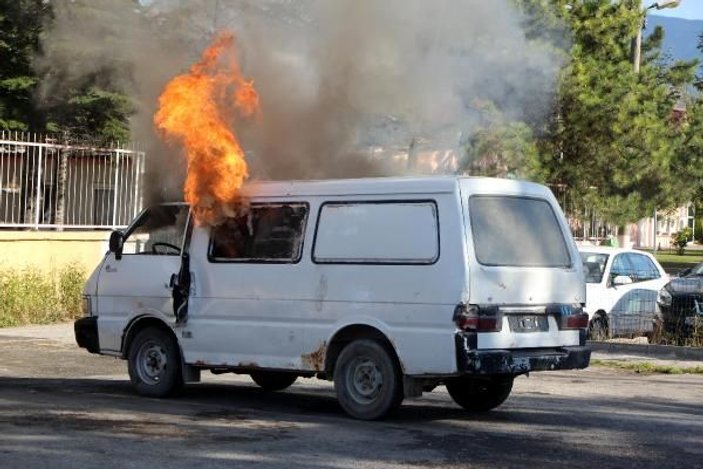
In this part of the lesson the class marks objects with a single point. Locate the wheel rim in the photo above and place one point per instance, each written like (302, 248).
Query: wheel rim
(151, 363)
(364, 379)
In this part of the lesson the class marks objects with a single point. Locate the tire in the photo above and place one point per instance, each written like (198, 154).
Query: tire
(598, 328)
(273, 380)
(154, 363)
(479, 394)
(368, 380)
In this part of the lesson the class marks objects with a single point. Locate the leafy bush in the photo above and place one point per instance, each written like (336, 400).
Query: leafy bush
(680, 240)
(33, 296)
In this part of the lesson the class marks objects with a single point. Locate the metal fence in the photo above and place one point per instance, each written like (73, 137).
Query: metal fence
(45, 184)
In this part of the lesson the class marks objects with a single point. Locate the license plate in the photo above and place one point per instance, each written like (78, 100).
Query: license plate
(528, 323)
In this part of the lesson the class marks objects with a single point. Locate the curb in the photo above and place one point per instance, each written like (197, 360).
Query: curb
(662, 352)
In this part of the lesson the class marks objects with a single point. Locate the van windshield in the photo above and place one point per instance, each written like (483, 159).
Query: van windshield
(517, 231)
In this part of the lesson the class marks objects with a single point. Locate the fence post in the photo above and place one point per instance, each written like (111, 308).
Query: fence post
(38, 198)
(116, 189)
(138, 171)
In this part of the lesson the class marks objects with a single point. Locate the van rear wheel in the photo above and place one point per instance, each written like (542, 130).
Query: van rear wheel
(154, 363)
(368, 380)
(479, 394)
(273, 380)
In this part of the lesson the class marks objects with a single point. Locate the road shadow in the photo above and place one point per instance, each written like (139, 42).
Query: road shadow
(211, 423)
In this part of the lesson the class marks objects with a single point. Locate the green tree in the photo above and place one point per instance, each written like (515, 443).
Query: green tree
(501, 148)
(85, 75)
(614, 140)
(36, 92)
(21, 23)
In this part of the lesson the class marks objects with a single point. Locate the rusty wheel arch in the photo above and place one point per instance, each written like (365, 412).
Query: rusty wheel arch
(140, 323)
(348, 334)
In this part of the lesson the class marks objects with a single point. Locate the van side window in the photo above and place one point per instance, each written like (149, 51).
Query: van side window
(265, 233)
(377, 233)
(158, 231)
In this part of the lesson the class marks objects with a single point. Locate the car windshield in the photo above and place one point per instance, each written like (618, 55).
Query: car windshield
(594, 266)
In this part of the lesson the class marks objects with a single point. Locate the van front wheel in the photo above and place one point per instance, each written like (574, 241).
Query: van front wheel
(367, 380)
(154, 363)
(479, 394)
(273, 380)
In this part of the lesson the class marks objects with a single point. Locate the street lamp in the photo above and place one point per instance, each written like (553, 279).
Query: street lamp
(637, 43)
(636, 59)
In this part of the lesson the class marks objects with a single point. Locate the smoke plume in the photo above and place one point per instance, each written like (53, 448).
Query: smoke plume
(337, 79)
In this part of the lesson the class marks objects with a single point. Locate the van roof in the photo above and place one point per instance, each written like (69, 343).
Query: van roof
(382, 186)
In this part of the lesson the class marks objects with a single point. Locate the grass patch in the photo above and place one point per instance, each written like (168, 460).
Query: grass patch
(673, 263)
(33, 296)
(646, 367)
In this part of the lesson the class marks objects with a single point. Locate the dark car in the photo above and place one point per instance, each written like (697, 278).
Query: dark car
(681, 303)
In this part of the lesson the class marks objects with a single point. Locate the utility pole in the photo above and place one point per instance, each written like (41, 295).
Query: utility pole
(636, 61)
(637, 41)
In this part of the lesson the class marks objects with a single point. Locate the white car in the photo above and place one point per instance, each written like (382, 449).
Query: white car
(621, 291)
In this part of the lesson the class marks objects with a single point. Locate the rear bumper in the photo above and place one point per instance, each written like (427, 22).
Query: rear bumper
(520, 361)
(86, 330)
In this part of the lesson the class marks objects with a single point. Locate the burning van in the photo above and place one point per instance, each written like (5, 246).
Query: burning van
(388, 287)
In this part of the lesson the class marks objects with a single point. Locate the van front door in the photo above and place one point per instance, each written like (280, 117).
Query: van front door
(249, 290)
(134, 281)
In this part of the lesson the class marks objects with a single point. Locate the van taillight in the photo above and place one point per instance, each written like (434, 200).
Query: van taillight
(472, 318)
(575, 321)
(572, 317)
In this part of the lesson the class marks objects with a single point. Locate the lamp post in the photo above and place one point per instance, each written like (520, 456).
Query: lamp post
(637, 41)
(636, 60)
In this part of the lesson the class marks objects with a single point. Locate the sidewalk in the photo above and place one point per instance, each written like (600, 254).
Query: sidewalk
(57, 332)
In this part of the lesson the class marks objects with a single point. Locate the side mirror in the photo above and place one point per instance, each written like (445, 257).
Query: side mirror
(116, 243)
(622, 280)
(684, 272)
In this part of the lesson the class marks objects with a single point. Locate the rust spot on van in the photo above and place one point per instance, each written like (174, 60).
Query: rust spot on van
(316, 359)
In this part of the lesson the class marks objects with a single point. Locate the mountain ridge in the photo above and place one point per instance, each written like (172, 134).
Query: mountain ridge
(681, 36)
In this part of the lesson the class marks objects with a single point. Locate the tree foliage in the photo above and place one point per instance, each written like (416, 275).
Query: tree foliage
(21, 23)
(623, 142)
(93, 108)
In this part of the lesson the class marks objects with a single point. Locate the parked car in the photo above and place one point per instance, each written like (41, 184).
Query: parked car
(388, 287)
(621, 292)
(681, 303)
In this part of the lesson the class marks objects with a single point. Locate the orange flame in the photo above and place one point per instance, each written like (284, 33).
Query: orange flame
(193, 110)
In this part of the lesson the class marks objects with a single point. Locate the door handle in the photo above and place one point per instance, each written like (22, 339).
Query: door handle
(109, 268)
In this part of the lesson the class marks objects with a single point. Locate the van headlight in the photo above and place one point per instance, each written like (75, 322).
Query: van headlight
(664, 297)
(86, 305)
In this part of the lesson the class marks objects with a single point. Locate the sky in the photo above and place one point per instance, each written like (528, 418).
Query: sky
(689, 9)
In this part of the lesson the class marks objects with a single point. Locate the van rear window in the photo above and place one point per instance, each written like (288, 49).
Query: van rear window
(517, 231)
(377, 233)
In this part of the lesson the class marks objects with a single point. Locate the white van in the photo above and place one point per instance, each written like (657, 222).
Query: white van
(387, 286)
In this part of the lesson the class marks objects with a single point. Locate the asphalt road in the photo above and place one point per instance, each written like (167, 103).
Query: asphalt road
(62, 407)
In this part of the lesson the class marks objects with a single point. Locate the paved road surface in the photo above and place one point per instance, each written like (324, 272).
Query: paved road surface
(62, 407)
